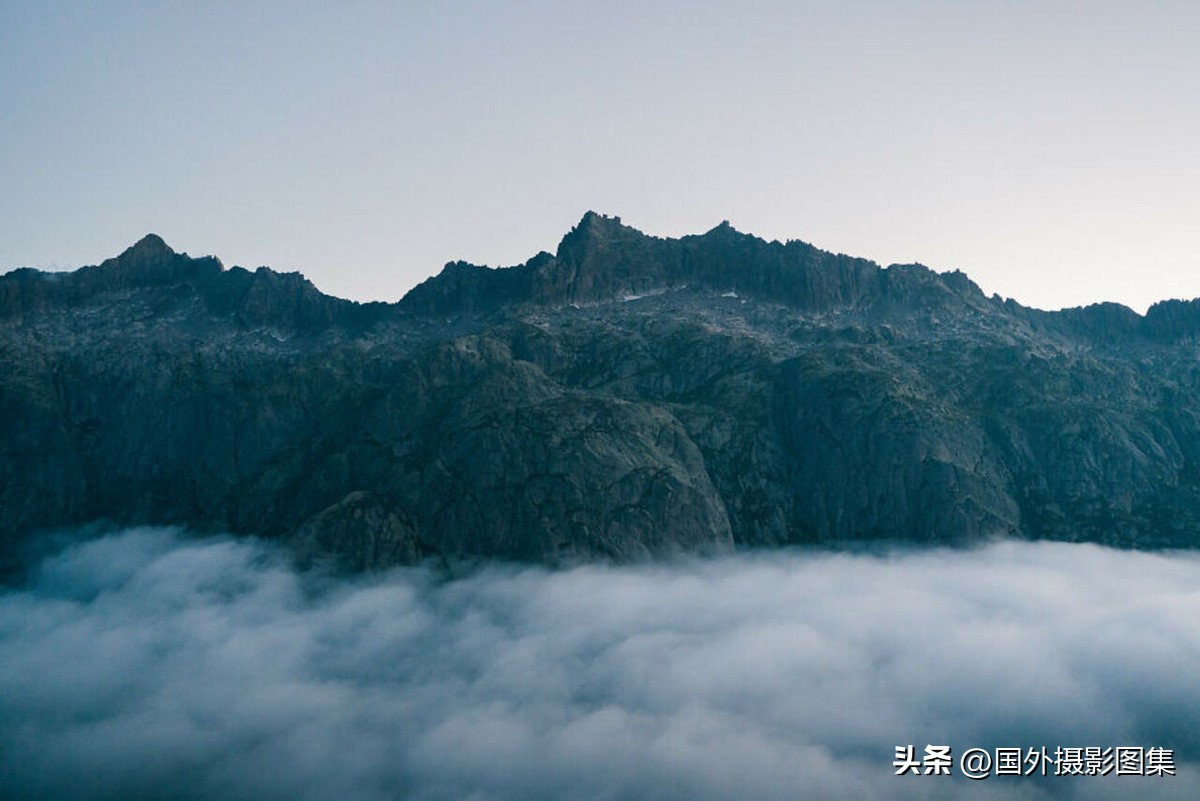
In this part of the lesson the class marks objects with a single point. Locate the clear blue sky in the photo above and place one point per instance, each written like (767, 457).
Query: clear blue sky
(1048, 149)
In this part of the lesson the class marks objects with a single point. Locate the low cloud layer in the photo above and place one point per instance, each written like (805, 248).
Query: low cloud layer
(147, 665)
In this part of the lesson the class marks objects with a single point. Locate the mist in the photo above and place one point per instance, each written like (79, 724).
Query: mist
(148, 664)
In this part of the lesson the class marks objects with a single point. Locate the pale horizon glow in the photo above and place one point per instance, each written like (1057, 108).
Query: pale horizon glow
(1045, 149)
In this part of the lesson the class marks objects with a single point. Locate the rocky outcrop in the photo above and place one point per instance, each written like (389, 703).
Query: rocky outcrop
(150, 268)
(359, 532)
(602, 259)
(627, 397)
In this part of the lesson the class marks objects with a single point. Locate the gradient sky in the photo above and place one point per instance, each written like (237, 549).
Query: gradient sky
(1047, 149)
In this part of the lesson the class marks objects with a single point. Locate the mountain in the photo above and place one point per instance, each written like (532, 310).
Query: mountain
(625, 397)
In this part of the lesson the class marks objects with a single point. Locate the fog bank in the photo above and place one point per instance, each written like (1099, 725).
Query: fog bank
(149, 665)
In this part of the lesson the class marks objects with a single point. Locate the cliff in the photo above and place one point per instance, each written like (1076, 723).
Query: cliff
(625, 397)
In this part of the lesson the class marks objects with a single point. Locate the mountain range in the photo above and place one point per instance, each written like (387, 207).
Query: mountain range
(626, 397)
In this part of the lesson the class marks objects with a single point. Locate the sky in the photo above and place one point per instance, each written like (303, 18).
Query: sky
(146, 664)
(1045, 148)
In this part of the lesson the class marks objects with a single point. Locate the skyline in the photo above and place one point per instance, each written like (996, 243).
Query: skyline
(1044, 150)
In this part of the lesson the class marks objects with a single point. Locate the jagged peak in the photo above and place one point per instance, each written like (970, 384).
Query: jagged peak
(148, 262)
(725, 230)
(594, 230)
(148, 253)
(459, 266)
(593, 220)
(150, 245)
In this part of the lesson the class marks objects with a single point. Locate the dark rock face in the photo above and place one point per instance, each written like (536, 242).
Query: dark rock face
(627, 397)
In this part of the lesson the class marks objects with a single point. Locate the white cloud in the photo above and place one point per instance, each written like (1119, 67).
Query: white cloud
(147, 665)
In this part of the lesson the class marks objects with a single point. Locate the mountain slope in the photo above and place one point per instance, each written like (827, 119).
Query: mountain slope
(625, 397)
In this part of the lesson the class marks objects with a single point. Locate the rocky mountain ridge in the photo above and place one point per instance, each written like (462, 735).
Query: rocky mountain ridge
(625, 397)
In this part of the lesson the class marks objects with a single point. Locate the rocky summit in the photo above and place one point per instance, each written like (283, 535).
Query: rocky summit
(626, 397)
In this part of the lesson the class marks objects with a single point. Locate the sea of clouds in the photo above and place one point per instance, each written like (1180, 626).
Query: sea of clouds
(148, 665)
